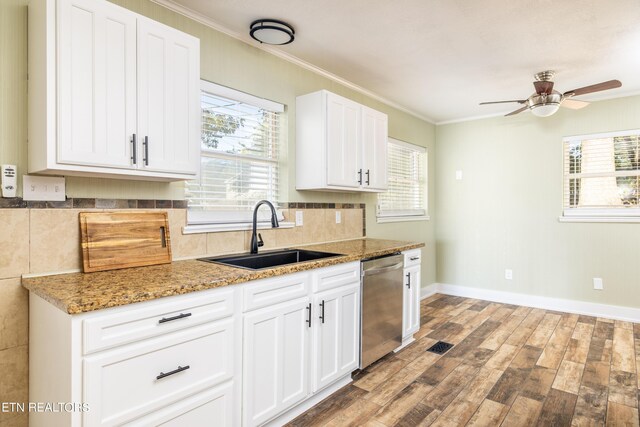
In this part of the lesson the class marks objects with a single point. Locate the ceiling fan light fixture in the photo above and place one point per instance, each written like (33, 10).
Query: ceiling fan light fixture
(545, 110)
(271, 31)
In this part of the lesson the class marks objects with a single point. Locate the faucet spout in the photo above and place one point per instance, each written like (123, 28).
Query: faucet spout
(255, 243)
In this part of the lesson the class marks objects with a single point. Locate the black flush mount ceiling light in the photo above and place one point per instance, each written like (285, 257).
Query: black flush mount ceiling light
(272, 31)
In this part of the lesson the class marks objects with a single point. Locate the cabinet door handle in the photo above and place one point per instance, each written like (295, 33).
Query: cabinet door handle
(360, 177)
(169, 319)
(309, 316)
(322, 312)
(145, 157)
(134, 149)
(409, 280)
(367, 176)
(175, 371)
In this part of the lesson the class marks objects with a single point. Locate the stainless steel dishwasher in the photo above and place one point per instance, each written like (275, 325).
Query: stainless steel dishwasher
(382, 295)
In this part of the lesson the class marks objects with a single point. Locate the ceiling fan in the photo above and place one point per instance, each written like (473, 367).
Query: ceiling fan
(546, 101)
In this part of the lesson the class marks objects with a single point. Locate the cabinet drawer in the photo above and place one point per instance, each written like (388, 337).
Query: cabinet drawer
(129, 382)
(412, 257)
(127, 325)
(274, 290)
(336, 276)
(211, 407)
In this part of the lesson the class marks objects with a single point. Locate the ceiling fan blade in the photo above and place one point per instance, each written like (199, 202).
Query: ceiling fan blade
(611, 84)
(519, 110)
(573, 104)
(543, 87)
(519, 101)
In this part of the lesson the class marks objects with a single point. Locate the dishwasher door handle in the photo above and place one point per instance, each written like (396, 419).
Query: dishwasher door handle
(383, 269)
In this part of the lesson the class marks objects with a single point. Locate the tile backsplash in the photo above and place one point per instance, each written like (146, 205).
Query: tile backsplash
(44, 238)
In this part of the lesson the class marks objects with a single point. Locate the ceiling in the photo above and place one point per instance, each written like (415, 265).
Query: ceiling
(440, 58)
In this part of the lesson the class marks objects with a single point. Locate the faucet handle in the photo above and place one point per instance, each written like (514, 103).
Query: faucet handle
(260, 242)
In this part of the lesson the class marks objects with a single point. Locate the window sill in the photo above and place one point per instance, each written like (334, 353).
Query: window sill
(590, 218)
(217, 228)
(385, 219)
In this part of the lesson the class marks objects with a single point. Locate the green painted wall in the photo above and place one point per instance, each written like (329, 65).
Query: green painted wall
(226, 61)
(504, 213)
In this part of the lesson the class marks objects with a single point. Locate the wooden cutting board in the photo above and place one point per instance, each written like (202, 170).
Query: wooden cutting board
(113, 240)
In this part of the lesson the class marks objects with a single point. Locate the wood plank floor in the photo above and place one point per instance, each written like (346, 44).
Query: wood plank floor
(510, 366)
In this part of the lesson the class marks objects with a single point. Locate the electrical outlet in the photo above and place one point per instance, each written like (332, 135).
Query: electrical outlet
(43, 188)
(299, 219)
(458, 175)
(597, 283)
(338, 217)
(508, 274)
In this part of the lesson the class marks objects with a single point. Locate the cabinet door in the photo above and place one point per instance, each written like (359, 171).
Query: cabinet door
(168, 98)
(336, 333)
(374, 147)
(276, 353)
(343, 142)
(96, 83)
(411, 305)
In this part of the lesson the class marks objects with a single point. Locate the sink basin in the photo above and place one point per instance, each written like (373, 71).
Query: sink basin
(269, 259)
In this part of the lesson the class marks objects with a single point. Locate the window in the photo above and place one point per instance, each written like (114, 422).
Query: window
(406, 197)
(602, 176)
(239, 158)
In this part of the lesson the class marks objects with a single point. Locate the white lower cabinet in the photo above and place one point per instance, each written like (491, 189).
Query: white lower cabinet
(276, 360)
(411, 302)
(211, 407)
(336, 334)
(249, 354)
(124, 384)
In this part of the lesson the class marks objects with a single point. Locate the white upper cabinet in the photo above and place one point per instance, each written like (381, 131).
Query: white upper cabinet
(111, 93)
(374, 147)
(97, 80)
(340, 144)
(343, 132)
(168, 114)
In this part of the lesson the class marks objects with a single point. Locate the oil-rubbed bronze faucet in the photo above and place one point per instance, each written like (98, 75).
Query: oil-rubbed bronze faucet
(257, 242)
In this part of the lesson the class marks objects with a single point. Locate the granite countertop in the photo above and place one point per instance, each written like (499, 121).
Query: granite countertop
(76, 293)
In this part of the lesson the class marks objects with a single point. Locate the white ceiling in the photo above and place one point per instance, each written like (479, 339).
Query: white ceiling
(439, 59)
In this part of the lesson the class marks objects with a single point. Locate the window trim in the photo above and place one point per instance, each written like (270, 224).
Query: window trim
(196, 225)
(612, 215)
(393, 216)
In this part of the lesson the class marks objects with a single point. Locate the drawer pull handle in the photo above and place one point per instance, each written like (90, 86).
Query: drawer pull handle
(169, 319)
(413, 258)
(175, 371)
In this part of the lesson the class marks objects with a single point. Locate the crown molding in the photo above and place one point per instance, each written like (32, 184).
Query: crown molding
(205, 20)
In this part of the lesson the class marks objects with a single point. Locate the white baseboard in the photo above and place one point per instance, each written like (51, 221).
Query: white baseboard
(629, 314)
(427, 291)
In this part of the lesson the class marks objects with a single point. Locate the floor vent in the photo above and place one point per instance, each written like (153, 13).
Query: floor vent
(440, 347)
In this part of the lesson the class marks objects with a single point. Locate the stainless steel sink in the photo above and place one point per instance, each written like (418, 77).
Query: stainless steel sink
(269, 259)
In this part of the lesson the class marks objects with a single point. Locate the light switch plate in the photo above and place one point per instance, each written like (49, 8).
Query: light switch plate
(299, 219)
(458, 175)
(9, 180)
(338, 217)
(508, 274)
(43, 188)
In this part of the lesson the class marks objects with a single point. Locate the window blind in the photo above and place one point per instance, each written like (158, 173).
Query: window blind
(602, 172)
(407, 180)
(239, 159)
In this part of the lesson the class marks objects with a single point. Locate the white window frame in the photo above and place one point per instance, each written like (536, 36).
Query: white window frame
(595, 214)
(392, 216)
(212, 221)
